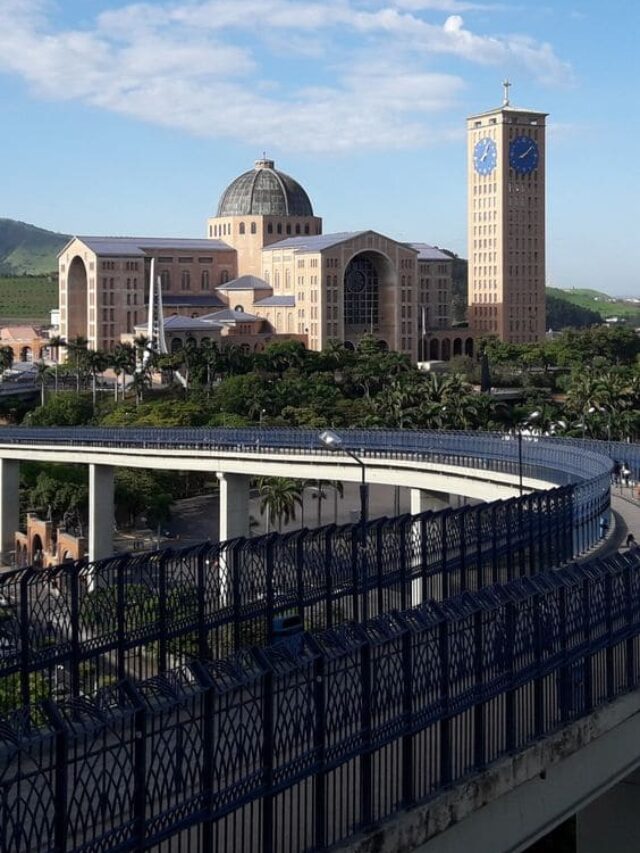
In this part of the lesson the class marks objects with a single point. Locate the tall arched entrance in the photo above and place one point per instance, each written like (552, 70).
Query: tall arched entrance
(77, 286)
(368, 297)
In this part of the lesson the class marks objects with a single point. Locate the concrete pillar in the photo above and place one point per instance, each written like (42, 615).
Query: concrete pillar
(421, 501)
(100, 512)
(234, 506)
(612, 822)
(9, 506)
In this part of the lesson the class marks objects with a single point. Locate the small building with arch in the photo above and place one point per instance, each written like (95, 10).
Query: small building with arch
(27, 343)
(43, 546)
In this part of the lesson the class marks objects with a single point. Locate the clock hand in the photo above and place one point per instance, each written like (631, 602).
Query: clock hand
(527, 152)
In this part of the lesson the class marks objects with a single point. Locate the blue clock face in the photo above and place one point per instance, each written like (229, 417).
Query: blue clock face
(485, 156)
(523, 155)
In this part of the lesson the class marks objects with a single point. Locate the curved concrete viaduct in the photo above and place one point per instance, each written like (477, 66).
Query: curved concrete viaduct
(484, 467)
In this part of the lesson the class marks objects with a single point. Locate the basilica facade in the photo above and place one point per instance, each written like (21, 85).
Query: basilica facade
(265, 270)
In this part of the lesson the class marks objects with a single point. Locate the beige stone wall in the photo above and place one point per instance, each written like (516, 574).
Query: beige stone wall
(248, 235)
(194, 273)
(103, 298)
(317, 282)
(77, 271)
(435, 286)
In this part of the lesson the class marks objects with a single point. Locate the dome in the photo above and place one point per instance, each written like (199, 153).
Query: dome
(264, 192)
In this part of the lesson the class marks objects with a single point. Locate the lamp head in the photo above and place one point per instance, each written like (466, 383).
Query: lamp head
(330, 439)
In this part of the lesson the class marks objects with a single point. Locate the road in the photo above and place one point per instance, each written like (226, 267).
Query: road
(196, 519)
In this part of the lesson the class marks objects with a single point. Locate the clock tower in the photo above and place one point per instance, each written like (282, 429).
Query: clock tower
(506, 222)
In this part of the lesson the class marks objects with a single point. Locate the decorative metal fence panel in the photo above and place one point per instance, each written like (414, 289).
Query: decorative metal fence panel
(292, 750)
(76, 628)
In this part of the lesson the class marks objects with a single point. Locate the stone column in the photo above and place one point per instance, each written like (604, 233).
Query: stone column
(100, 512)
(612, 822)
(234, 505)
(422, 500)
(9, 506)
(234, 523)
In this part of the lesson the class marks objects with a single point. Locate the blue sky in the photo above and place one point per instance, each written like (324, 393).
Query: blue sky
(131, 118)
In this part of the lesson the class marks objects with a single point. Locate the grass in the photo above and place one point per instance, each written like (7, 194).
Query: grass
(598, 301)
(27, 298)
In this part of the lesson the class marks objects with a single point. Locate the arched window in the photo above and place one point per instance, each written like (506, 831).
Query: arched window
(270, 228)
(254, 229)
(287, 279)
(241, 228)
(176, 344)
(205, 280)
(298, 228)
(277, 279)
(239, 308)
(267, 276)
(224, 277)
(185, 281)
(307, 230)
(165, 280)
(288, 229)
(279, 228)
(289, 322)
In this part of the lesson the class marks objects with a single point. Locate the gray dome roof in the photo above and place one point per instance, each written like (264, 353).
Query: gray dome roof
(264, 192)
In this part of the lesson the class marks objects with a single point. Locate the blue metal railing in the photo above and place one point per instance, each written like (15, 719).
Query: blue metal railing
(298, 752)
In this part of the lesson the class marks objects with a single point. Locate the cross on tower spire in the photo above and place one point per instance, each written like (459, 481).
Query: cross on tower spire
(505, 98)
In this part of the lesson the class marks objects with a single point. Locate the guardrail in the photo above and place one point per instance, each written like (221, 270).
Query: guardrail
(557, 461)
(297, 749)
(75, 627)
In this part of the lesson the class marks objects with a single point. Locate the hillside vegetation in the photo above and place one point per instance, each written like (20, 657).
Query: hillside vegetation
(28, 250)
(27, 298)
(594, 300)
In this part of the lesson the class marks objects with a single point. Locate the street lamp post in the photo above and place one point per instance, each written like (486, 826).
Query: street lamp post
(332, 441)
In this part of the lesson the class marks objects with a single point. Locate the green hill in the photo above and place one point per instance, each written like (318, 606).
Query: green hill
(27, 298)
(27, 250)
(594, 300)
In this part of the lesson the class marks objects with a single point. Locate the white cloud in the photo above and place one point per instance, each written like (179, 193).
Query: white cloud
(214, 67)
(443, 5)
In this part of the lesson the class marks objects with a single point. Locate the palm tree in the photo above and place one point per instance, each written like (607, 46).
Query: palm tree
(6, 358)
(320, 492)
(141, 343)
(79, 347)
(128, 365)
(140, 382)
(42, 371)
(54, 344)
(279, 497)
(211, 356)
(97, 361)
(118, 359)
